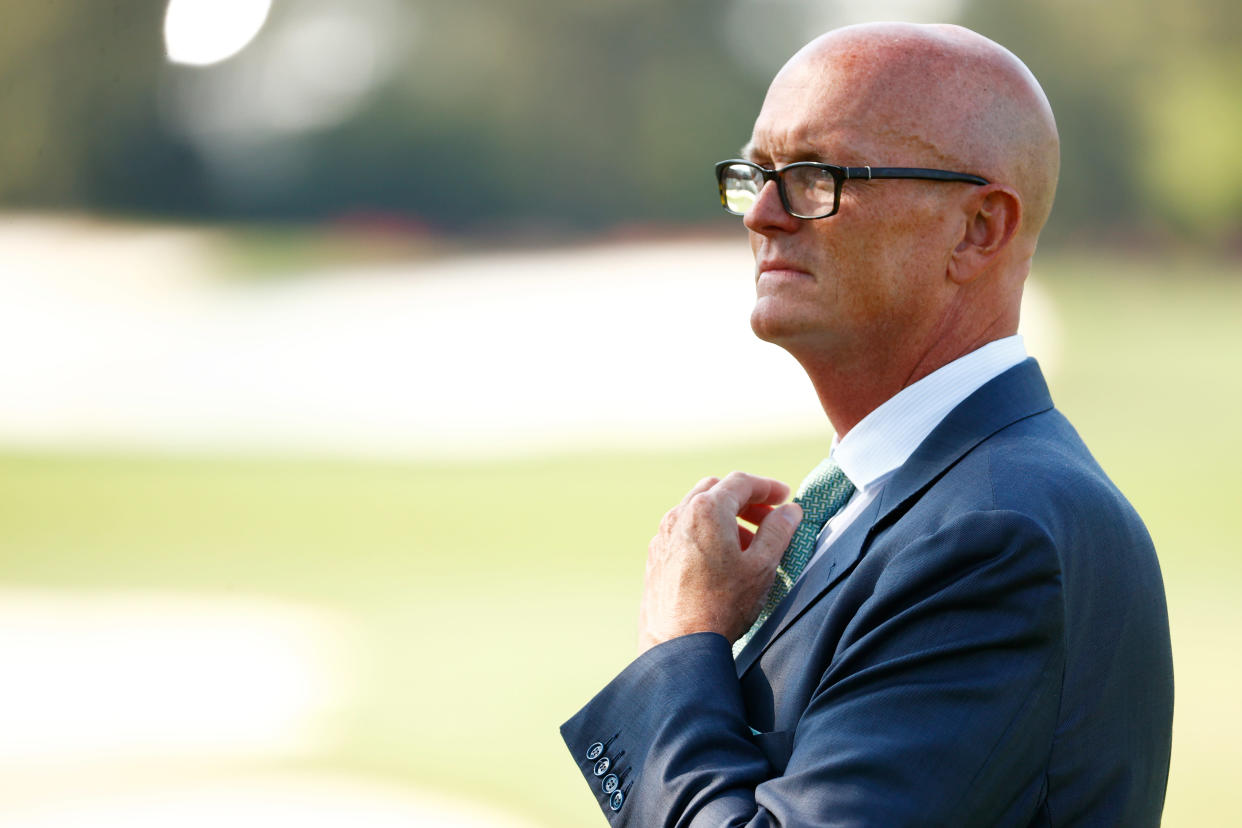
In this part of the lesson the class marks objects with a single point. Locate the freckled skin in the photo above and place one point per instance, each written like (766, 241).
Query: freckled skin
(883, 297)
(907, 276)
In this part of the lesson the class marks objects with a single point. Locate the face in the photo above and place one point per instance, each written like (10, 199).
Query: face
(870, 280)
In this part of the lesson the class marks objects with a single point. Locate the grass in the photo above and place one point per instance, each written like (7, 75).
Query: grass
(494, 599)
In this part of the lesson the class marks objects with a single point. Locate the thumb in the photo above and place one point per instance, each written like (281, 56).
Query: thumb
(776, 530)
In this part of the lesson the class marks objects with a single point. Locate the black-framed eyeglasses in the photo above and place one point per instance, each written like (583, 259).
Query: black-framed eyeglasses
(808, 189)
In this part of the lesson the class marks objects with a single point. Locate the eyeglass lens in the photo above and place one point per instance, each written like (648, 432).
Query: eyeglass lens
(741, 187)
(811, 190)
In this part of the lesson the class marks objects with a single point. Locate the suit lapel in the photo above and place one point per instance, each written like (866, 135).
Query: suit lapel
(1016, 394)
(818, 578)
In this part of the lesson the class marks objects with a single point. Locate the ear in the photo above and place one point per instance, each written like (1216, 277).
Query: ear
(992, 220)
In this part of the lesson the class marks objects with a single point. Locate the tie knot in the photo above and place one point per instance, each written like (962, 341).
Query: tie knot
(823, 492)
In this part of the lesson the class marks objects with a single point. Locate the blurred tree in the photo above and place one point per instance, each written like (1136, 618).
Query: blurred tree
(568, 114)
(78, 104)
(544, 111)
(1146, 95)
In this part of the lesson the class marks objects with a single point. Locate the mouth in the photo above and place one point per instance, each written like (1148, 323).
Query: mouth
(779, 269)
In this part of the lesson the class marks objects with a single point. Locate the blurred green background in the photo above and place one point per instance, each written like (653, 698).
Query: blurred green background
(565, 116)
(489, 598)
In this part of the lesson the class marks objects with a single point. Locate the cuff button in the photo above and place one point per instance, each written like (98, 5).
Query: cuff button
(594, 751)
(610, 783)
(601, 767)
(615, 801)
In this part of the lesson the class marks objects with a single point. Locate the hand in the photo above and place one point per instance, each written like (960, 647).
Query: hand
(705, 571)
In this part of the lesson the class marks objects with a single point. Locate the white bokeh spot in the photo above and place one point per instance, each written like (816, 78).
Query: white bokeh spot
(203, 32)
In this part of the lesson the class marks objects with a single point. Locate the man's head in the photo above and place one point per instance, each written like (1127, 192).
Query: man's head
(909, 274)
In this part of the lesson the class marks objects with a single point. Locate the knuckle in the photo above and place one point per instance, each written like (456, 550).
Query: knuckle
(702, 504)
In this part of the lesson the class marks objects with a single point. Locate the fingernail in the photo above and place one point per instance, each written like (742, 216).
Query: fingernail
(792, 513)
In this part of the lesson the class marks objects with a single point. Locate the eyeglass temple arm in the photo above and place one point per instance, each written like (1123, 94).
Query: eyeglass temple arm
(868, 173)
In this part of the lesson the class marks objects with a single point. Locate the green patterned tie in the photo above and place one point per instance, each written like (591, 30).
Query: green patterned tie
(825, 490)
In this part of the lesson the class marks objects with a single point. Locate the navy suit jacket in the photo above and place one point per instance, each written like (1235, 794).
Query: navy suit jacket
(986, 645)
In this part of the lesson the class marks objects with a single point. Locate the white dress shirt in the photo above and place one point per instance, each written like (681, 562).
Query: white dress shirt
(883, 440)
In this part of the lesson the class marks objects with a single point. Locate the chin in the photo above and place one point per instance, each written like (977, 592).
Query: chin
(770, 325)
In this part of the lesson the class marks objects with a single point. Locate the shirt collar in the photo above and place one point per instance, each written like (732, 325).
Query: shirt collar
(886, 437)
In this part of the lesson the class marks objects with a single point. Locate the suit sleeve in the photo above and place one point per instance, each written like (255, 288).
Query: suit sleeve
(935, 707)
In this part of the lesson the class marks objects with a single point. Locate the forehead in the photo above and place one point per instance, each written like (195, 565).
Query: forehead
(802, 120)
(845, 108)
(787, 136)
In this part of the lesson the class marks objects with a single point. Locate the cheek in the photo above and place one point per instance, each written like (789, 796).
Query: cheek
(903, 252)
(878, 294)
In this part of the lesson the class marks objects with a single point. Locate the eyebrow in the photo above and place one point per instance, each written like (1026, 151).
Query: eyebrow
(749, 153)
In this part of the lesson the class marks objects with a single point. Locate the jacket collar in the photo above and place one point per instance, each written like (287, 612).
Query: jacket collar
(1016, 394)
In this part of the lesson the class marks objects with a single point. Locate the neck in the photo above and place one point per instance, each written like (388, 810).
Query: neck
(849, 390)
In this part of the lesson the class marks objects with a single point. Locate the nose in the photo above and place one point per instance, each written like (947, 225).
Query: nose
(767, 215)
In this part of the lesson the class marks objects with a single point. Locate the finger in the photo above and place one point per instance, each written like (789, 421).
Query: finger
(740, 489)
(775, 532)
(702, 486)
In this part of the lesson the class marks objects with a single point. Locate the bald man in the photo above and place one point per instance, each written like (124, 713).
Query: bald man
(968, 628)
